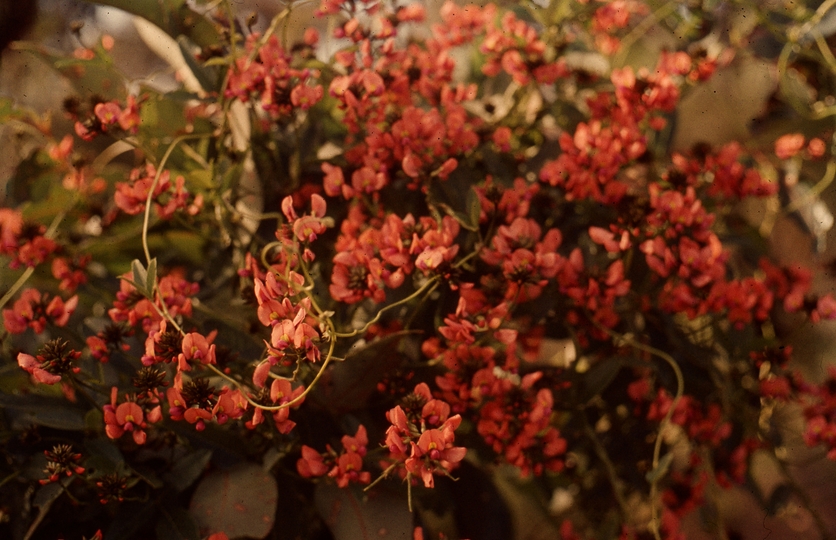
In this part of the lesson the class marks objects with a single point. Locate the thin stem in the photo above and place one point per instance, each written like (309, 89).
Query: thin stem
(377, 480)
(409, 490)
(608, 465)
(31, 269)
(290, 403)
(431, 284)
(164, 312)
(248, 213)
(160, 168)
(306, 290)
(657, 448)
(824, 48)
(821, 11)
(641, 29)
(815, 191)
(17, 286)
(265, 250)
(9, 478)
(466, 258)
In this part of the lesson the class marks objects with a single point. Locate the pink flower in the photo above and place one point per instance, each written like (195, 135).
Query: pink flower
(311, 465)
(434, 452)
(54, 359)
(33, 366)
(357, 443)
(348, 468)
(127, 416)
(305, 97)
(789, 145)
(196, 347)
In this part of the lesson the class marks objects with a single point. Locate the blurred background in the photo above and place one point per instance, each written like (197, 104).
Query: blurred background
(738, 103)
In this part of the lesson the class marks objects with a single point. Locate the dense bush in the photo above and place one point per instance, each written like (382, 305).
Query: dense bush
(440, 251)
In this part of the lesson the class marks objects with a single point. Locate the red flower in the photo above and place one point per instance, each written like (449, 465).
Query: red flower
(54, 359)
(789, 145)
(196, 347)
(127, 416)
(231, 404)
(33, 366)
(70, 272)
(32, 310)
(281, 392)
(348, 468)
(357, 443)
(435, 452)
(11, 226)
(307, 228)
(311, 464)
(305, 97)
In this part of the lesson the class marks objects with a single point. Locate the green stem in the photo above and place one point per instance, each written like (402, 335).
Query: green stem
(160, 169)
(31, 270)
(9, 478)
(815, 191)
(430, 285)
(641, 29)
(657, 448)
(615, 483)
(291, 403)
(383, 475)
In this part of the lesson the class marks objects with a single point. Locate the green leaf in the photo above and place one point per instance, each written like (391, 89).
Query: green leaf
(189, 244)
(176, 524)
(351, 515)
(94, 420)
(54, 413)
(12, 380)
(200, 179)
(129, 518)
(217, 61)
(96, 75)
(172, 16)
(160, 116)
(474, 208)
(661, 469)
(349, 384)
(456, 197)
(106, 452)
(240, 502)
(149, 475)
(187, 469)
(208, 77)
(599, 377)
(140, 277)
(151, 276)
(47, 494)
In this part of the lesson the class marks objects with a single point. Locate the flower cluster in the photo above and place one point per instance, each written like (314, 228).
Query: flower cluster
(131, 196)
(345, 467)
(55, 359)
(62, 460)
(422, 436)
(129, 417)
(198, 402)
(24, 242)
(106, 117)
(473, 236)
(267, 77)
(281, 394)
(132, 307)
(372, 257)
(35, 310)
